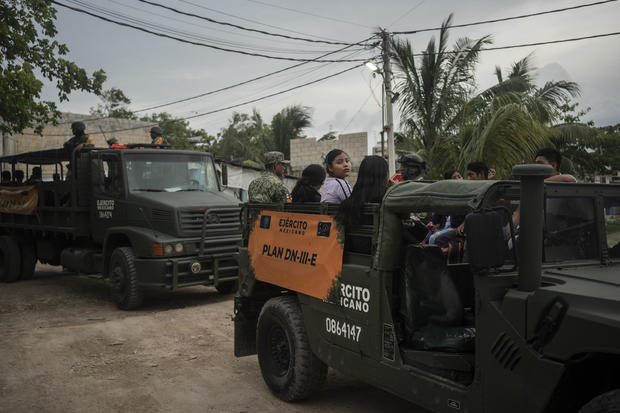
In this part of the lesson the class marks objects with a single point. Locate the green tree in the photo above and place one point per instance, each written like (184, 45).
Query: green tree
(433, 91)
(507, 123)
(114, 104)
(246, 137)
(288, 124)
(28, 52)
(177, 131)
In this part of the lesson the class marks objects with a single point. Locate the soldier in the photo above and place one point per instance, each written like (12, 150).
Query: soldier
(79, 138)
(157, 136)
(268, 188)
(411, 167)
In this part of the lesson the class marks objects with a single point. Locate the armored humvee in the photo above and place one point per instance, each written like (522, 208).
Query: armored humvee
(138, 215)
(526, 320)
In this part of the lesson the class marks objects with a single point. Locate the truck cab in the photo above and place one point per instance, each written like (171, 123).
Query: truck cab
(140, 216)
(525, 319)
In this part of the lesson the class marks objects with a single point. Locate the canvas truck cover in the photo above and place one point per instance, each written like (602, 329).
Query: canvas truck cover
(299, 252)
(18, 199)
(444, 197)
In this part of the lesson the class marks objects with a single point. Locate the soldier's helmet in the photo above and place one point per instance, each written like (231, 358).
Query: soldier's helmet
(78, 127)
(412, 165)
(274, 157)
(112, 140)
(156, 131)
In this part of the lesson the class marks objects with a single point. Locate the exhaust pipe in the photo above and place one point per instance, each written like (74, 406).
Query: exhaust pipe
(531, 221)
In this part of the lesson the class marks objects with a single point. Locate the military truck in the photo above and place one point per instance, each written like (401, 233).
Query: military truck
(139, 215)
(526, 320)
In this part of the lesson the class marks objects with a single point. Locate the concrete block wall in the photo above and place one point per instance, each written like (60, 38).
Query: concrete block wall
(126, 130)
(309, 150)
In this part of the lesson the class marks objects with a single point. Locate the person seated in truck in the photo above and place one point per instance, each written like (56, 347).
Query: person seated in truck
(36, 177)
(18, 177)
(6, 177)
(307, 188)
(372, 182)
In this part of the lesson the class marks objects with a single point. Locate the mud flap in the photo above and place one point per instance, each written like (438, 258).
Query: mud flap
(246, 318)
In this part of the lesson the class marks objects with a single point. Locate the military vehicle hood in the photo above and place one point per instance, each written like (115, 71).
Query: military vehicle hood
(603, 276)
(187, 199)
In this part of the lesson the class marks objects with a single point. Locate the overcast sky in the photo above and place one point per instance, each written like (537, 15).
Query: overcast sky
(153, 70)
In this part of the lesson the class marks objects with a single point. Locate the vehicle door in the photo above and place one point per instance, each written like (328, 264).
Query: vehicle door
(109, 202)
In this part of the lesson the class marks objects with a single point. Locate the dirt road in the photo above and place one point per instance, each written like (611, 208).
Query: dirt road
(66, 348)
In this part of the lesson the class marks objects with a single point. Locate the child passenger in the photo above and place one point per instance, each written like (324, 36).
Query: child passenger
(307, 188)
(338, 166)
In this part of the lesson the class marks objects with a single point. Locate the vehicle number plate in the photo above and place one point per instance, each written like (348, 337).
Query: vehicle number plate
(343, 329)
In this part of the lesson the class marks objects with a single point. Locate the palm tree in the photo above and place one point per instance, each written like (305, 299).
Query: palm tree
(434, 90)
(507, 123)
(288, 124)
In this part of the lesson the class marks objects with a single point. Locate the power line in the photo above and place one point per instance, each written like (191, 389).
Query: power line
(310, 14)
(238, 26)
(225, 108)
(230, 86)
(199, 43)
(202, 26)
(522, 16)
(359, 110)
(403, 15)
(187, 35)
(574, 39)
(253, 21)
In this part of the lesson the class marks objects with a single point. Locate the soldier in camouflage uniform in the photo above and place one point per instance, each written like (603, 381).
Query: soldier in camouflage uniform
(268, 188)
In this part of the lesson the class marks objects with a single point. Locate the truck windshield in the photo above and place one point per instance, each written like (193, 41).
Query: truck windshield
(170, 172)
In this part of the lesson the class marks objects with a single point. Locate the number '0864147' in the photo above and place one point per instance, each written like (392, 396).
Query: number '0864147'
(343, 329)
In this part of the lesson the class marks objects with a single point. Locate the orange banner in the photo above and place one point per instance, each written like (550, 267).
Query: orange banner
(18, 199)
(299, 252)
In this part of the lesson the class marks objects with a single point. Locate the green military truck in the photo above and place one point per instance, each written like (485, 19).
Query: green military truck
(137, 215)
(526, 319)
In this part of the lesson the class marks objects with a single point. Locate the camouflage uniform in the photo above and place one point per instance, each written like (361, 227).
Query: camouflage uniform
(268, 188)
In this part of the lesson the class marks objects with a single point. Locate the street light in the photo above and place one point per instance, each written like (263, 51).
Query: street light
(372, 66)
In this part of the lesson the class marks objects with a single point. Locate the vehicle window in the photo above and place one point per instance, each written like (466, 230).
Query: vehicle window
(113, 182)
(570, 229)
(612, 226)
(168, 173)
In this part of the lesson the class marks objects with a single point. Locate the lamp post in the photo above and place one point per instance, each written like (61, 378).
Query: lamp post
(387, 79)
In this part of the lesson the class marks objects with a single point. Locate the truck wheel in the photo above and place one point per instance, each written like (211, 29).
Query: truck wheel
(124, 279)
(227, 287)
(287, 363)
(604, 403)
(10, 259)
(28, 260)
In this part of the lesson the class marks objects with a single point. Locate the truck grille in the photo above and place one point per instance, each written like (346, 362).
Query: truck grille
(219, 221)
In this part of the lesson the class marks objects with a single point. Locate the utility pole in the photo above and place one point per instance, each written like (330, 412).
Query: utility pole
(387, 79)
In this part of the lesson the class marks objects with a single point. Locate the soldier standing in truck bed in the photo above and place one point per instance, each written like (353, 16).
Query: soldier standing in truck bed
(157, 137)
(79, 139)
(269, 188)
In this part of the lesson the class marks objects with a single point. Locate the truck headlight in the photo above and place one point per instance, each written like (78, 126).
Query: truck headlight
(178, 247)
(168, 249)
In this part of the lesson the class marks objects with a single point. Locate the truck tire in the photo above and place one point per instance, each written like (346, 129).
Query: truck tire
(227, 287)
(28, 259)
(604, 403)
(287, 363)
(124, 279)
(10, 259)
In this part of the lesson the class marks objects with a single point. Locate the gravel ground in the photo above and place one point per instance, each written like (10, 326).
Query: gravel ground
(66, 348)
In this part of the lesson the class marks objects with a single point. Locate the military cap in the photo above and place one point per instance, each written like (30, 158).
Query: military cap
(274, 157)
(78, 126)
(156, 131)
(411, 159)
